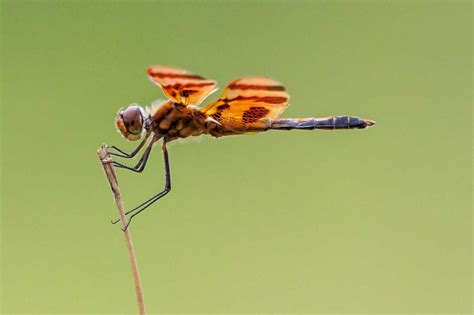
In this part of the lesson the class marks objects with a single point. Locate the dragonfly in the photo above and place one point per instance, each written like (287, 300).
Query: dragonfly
(247, 105)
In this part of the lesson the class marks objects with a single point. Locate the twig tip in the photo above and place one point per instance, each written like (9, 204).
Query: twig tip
(103, 151)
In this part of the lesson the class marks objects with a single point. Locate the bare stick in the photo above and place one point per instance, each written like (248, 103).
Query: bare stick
(106, 161)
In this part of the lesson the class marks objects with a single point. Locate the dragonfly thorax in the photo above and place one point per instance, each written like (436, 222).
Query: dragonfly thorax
(172, 121)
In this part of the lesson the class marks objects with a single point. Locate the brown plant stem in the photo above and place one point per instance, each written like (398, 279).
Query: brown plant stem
(106, 161)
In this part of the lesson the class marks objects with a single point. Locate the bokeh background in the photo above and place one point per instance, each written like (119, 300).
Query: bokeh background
(375, 221)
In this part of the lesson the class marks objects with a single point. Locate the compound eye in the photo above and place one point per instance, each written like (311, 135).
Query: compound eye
(130, 122)
(133, 120)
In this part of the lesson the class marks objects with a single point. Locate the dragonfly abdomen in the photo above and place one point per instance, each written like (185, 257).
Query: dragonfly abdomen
(327, 123)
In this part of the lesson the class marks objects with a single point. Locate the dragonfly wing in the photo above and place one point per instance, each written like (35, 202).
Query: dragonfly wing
(249, 104)
(181, 86)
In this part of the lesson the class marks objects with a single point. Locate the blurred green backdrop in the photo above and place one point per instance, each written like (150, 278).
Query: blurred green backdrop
(318, 222)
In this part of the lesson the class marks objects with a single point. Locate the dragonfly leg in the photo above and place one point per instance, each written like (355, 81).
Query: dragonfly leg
(144, 205)
(130, 155)
(142, 163)
(156, 197)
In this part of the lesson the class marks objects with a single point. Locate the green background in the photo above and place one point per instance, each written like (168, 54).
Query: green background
(376, 221)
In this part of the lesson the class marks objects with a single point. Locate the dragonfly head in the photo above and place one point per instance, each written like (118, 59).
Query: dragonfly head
(130, 122)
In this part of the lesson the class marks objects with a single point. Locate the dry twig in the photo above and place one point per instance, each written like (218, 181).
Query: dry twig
(106, 161)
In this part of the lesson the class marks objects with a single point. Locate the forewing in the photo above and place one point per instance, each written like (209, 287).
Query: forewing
(249, 104)
(181, 86)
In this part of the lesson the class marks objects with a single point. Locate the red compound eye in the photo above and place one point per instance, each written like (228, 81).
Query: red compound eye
(130, 122)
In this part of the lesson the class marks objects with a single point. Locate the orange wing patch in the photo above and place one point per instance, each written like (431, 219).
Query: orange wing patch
(249, 104)
(181, 86)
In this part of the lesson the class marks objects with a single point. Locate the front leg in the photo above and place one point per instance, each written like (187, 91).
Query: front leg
(130, 155)
(142, 163)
